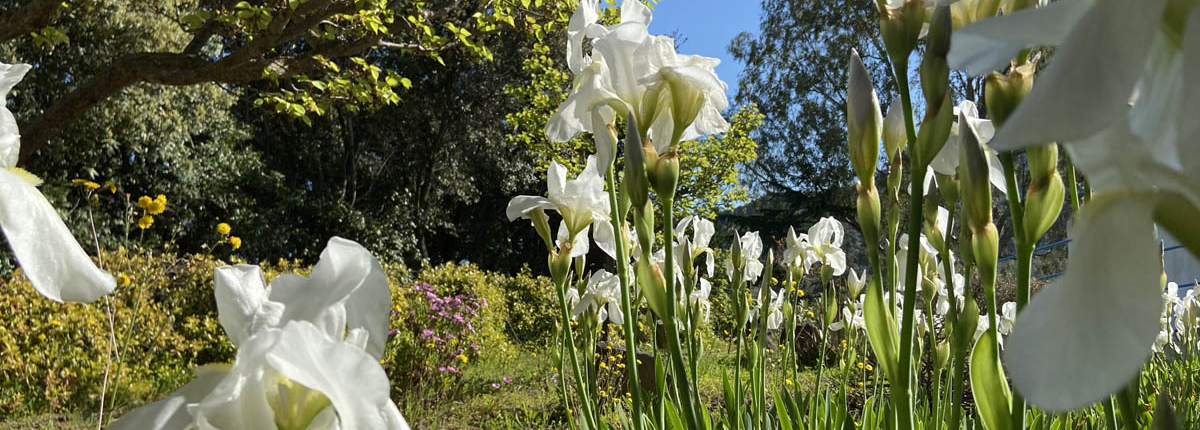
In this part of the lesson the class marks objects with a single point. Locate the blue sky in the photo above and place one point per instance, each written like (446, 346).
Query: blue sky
(708, 26)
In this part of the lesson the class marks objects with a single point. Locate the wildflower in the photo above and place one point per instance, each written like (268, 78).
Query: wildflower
(749, 247)
(223, 229)
(110, 186)
(506, 379)
(235, 241)
(462, 358)
(788, 381)
(603, 296)
(496, 385)
(145, 222)
(860, 365)
(144, 202)
(50, 256)
(870, 368)
(825, 239)
(41, 336)
(86, 184)
(775, 311)
(808, 314)
(620, 365)
(123, 280)
(157, 206)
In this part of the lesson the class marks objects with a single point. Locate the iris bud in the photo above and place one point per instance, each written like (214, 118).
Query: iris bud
(864, 122)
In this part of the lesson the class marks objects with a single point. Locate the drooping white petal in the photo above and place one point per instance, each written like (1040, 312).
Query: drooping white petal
(1103, 313)
(45, 249)
(988, 45)
(521, 206)
(593, 91)
(1189, 128)
(604, 237)
(1090, 81)
(171, 412)
(10, 137)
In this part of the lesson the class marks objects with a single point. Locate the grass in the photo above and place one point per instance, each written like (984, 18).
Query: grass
(48, 422)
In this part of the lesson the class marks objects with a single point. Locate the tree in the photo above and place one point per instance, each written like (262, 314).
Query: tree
(795, 73)
(424, 178)
(310, 51)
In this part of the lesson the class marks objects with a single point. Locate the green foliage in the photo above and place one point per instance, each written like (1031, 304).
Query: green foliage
(710, 169)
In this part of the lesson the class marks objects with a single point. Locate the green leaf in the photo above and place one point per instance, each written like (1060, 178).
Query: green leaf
(785, 422)
(992, 396)
(882, 332)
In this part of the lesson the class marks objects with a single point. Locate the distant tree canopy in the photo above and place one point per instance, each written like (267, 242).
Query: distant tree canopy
(413, 151)
(795, 74)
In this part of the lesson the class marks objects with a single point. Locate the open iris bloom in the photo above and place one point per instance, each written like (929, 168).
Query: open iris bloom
(775, 310)
(947, 159)
(1120, 93)
(45, 249)
(580, 202)
(751, 248)
(797, 249)
(308, 353)
(702, 233)
(602, 296)
(630, 72)
(825, 245)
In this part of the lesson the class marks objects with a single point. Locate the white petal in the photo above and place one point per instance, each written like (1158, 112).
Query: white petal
(635, 11)
(1089, 83)
(556, 181)
(990, 44)
(585, 16)
(1189, 128)
(239, 291)
(346, 289)
(520, 206)
(1104, 313)
(45, 249)
(353, 380)
(10, 137)
(171, 412)
(604, 237)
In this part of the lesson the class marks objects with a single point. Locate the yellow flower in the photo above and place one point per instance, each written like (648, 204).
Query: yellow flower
(620, 365)
(603, 393)
(145, 222)
(157, 206)
(144, 202)
(809, 314)
(224, 229)
(86, 183)
(860, 365)
(235, 241)
(869, 368)
(774, 281)
(800, 293)
(462, 358)
(860, 384)
(111, 186)
(603, 365)
(123, 280)
(788, 381)
(41, 336)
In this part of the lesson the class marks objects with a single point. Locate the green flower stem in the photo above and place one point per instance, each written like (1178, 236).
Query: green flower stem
(672, 326)
(1024, 250)
(585, 403)
(1128, 398)
(959, 366)
(824, 334)
(631, 368)
(739, 299)
(903, 394)
(948, 269)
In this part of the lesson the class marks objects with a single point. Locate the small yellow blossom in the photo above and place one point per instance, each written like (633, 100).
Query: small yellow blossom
(144, 202)
(462, 358)
(869, 368)
(235, 241)
(639, 361)
(603, 365)
(145, 222)
(603, 393)
(860, 365)
(809, 314)
(800, 293)
(111, 186)
(774, 280)
(124, 280)
(223, 229)
(41, 336)
(86, 183)
(620, 365)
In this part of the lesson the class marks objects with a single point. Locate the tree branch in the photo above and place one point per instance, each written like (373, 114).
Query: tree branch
(27, 19)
